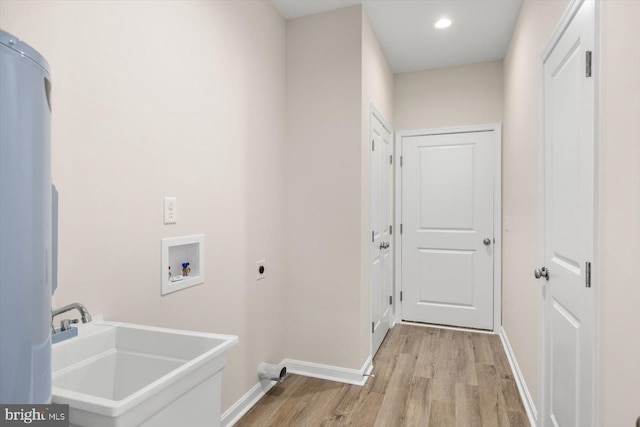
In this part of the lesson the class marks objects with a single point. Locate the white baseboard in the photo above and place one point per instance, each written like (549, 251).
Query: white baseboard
(329, 372)
(245, 403)
(298, 367)
(529, 406)
(449, 328)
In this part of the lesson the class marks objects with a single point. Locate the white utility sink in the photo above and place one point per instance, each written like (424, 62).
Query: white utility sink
(124, 375)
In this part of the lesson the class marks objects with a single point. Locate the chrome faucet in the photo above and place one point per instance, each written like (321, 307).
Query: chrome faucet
(66, 323)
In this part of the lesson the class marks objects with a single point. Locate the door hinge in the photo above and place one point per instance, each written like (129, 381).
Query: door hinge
(400, 295)
(400, 228)
(391, 229)
(587, 274)
(390, 300)
(373, 145)
(373, 238)
(400, 161)
(372, 329)
(588, 60)
(391, 159)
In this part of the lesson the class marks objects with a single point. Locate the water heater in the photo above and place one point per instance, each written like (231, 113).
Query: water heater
(25, 224)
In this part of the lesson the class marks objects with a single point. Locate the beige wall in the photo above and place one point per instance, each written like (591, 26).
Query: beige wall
(619, 252)
(335, 71)
(619, 192)
(619, 352)
(169, 98)
(619, 200)
(452, 96)
(188, 99)
(323, 200)
(537, 21)
(377, 90)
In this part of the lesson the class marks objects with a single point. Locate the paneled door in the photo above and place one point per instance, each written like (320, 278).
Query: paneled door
(447, 236)
(566, 295)
(381, 220)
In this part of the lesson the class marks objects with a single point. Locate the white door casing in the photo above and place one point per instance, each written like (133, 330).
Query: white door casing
(448, 228)
(568, 227)
(381, 221)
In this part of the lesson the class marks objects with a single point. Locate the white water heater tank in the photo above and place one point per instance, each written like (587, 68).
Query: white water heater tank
(25, 224)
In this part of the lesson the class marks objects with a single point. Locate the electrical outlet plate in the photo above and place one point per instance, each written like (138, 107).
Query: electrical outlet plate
(170, 212)
(263, 264)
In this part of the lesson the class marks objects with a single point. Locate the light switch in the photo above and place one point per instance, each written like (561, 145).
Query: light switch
(170, 214)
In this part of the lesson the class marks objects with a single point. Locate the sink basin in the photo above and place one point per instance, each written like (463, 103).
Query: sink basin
(122, 375)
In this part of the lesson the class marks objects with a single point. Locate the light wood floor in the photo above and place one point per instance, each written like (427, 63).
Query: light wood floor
(423, 377)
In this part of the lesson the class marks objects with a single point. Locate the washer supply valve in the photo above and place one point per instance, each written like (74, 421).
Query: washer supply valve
(185, 269)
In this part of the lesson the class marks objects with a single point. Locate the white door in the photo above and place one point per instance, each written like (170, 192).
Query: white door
(568, 194)
(381, 258)
(447, 236)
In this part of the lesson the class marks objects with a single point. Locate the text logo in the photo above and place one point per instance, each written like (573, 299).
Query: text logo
(37, 415)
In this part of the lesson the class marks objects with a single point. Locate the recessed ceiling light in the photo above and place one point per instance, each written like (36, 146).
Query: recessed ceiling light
(443, 23)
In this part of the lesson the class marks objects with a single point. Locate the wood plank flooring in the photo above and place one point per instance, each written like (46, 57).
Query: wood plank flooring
(423, 377)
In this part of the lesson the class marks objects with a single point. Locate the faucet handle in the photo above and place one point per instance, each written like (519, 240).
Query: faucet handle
(65, 324)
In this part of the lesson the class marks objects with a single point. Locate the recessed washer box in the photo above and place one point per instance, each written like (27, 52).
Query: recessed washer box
(177, 251)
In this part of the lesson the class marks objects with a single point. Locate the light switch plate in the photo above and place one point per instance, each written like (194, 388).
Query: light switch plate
(170, 213)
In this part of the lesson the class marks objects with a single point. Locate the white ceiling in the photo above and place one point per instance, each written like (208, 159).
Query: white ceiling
(480, 32)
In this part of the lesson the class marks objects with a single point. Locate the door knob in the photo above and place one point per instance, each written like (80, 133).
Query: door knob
(541, 272)
(486, 241)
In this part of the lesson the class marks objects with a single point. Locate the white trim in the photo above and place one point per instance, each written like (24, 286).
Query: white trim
(449, 328)
(567, 17)
(397, 239)
(298, 367)
(373, 112)
(497, 232)
(245, 403)
(497, 212)
(597, 140)
(525, 395)
(329, 372)
(540, 241)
